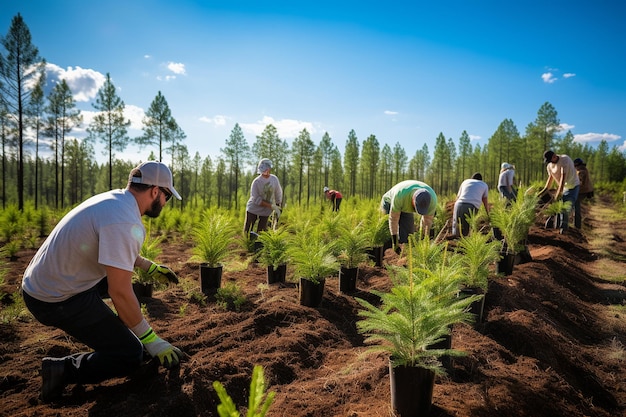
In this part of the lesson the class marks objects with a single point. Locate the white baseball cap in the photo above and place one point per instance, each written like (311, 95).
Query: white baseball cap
(155, 173)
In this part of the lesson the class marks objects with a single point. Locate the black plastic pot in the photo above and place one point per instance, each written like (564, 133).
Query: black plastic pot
(276, 275)
(142, 289)
(347, 279)
(210, 278)
(477, 307)
(311, 293)
(505, 264)
(411, 390)
(523, 256)
(376, 254)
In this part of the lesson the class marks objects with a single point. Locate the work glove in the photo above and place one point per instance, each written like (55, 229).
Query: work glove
(395, 245)
(167, 354)
(162, 273)
(276, 210)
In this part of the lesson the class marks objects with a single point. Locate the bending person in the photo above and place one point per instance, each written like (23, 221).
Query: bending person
(472, 193)
(401, 202)
(335, 198)
(266, 196)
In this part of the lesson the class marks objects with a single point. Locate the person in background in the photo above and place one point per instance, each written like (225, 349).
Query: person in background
(472, 193)
(505, 181)
(585, 192)
(561, 170)
(266, 195)
(401, 202)
(334, 196)
(99, 242)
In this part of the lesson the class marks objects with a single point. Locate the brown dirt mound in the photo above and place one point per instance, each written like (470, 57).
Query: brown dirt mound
(550, 345)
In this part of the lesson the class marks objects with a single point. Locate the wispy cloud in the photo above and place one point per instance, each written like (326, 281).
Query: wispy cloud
(177, 68)
(391, 113)
(596, 137)
(550, 76)
(563, 127)
(217, 120)
(474, 137)
(135, 114)
(287, 128)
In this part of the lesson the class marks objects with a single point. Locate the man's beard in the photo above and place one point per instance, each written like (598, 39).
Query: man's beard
(155, 208)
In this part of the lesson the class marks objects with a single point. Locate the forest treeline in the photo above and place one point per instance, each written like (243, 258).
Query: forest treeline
(37, 119)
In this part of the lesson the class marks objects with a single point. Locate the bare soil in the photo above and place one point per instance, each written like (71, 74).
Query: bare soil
(552, 343)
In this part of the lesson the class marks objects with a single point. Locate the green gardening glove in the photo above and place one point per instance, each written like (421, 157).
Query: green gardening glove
(167, 354)
(162, 273)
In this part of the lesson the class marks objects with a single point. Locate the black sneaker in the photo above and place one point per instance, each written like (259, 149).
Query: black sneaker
(53, 378)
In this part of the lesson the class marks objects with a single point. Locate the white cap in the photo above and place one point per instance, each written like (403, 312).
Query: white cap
(264, 165)
(326, 189)
(155, 173)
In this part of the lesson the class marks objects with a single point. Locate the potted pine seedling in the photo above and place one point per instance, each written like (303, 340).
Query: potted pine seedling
(313, 262)
(351, 245)
(212, 235)
(478, 251)
(513, 222)
(272, 253)
(377, 229)
(408, 322)
(143, 283)
(555, 212)
(444, 268)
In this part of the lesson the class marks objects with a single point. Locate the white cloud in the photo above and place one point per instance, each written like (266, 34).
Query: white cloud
(135, 114)
(84, 83)
(596, 137)
(548, 77)
(622, 147)
(287, 128)
(217, 120)
(176, 67)
(563, 127)
(391, 113)
(474, 137)
(569, 75)
(147, 56)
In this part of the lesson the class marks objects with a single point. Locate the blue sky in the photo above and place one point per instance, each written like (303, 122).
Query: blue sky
(404, 71)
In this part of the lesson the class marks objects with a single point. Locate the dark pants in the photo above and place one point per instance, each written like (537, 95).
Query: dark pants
(570, 195)
(406, 224)
(251, 219)
(460, 225)
(505, 193)
(116, 350)
(336, 203)
(577, 213)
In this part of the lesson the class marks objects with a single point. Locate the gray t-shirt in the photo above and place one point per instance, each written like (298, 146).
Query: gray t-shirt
(264, 189)
(472, 192)
(105, 229)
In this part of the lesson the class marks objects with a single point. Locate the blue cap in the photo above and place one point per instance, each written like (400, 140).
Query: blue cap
(421, 200)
